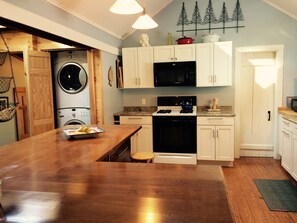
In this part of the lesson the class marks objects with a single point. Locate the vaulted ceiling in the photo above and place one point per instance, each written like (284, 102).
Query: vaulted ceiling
(96, 12)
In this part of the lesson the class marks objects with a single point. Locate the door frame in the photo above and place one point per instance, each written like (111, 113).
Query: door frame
(278, 93)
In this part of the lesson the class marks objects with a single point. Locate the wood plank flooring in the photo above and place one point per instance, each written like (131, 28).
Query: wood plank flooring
(246, 201)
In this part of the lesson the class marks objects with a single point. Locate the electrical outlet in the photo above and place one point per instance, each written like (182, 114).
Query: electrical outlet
(143, 101)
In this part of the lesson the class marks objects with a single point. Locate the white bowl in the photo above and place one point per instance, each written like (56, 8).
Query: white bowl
(210, 38)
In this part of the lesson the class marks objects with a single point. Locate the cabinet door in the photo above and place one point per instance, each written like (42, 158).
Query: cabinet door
(145, 139)
(130, 67)
(204, 63)
(225, 143)
(164, 53)
(185, 52)
(222, 64)
(206, 142)
(286, 161)
(145, 67)
(294, 151)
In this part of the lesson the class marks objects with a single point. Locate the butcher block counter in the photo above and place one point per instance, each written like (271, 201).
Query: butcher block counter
(47, 178)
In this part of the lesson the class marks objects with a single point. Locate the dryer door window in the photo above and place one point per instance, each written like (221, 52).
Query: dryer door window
(74, 122)
(72, 78)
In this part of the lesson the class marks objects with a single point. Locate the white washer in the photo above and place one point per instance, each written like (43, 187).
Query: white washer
(73, 116)
(71, 79)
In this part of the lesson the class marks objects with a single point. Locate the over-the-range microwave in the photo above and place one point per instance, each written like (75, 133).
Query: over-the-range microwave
(175, 74)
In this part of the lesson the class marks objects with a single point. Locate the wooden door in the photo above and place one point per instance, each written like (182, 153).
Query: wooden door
(130, 72)
(185, 52)
(163, 53)
(206, 142)
(222, 64)
(204, 58)
(257, 102)
(225, 143)
(145, 57)
(40, 95)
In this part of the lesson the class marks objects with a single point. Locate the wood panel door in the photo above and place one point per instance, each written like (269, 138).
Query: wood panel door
(40, 93)
(257, 96)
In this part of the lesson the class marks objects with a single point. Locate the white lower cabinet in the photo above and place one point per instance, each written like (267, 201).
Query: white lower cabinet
(142, 141)
(288, 145)
(294, 156)
(215, 138)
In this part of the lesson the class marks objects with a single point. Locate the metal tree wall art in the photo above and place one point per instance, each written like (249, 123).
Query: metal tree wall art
(183, 18)
(224, 17)
(210, 18)
(237, 14)
(196, 17)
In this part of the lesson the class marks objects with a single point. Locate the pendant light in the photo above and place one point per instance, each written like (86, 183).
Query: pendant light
(126, 7)
(144, 22)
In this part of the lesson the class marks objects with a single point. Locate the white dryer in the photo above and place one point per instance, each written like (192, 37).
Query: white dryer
(73, 116)
(71, 79)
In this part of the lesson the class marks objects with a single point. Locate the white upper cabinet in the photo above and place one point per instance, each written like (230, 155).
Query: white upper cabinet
(214, 64)
(138, 67)
(173, 53)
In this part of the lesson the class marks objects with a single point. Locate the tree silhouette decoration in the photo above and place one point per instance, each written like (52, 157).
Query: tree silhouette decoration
(196, 17)
(183, 18)
(209, 17)
(237, 14)
(224, 17)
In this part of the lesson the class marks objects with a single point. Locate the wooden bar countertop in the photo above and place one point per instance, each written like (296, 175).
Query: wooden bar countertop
(47, 178)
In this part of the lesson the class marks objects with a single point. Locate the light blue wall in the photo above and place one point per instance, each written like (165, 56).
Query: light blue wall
(264, 25)
(113, 97)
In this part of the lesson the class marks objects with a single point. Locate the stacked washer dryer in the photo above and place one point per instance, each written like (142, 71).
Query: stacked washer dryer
(71, 87)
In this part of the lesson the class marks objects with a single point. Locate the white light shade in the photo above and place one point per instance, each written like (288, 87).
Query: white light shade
(144, 22)
(125, 7)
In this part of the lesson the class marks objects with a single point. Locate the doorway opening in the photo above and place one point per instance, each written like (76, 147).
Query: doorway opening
(258, 94)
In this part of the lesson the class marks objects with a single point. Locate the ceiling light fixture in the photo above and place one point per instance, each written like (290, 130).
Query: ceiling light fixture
(144, 22)
(126, 7)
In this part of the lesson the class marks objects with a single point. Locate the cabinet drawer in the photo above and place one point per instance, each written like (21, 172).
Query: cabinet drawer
(215, 121)
(140, 120)
(294, 128)
(285, 124)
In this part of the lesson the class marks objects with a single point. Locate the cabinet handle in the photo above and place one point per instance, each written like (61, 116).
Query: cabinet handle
(135, 80)
(134, 118)
(217, 133)
(269, 114)
(285, 133)
(213, 134)
(139, 81)
(214, 118)
(287, 123)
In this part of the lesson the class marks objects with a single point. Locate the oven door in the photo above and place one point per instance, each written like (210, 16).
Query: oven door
(175, 134)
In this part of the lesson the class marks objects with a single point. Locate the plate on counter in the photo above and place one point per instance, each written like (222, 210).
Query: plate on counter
(82, 132)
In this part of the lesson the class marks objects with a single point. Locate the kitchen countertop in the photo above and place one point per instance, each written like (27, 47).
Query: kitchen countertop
(226, 111)
(48, 178)
(288, 114)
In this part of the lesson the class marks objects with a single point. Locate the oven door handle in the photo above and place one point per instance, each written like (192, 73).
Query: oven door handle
(175, 121)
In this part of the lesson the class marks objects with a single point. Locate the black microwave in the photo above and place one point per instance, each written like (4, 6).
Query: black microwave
(175, 74)
(294, 104)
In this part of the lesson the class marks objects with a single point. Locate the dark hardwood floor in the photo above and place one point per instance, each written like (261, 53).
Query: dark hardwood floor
(246, 202)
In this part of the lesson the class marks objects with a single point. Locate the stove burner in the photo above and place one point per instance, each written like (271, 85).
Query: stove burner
(164, 111)
(186, 111)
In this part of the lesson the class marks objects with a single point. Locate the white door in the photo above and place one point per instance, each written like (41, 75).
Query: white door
(257, 102)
